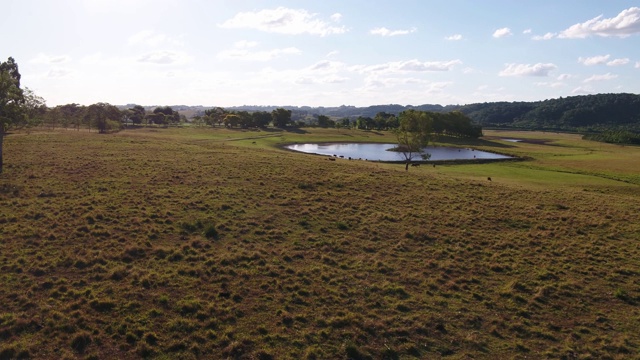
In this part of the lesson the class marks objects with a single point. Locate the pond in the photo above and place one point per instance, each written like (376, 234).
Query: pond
(379, 152)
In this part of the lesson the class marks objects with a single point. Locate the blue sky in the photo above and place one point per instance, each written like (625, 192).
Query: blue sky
(321, 53)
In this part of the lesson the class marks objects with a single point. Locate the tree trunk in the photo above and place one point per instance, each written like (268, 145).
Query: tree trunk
(406, 167)
(1, 141)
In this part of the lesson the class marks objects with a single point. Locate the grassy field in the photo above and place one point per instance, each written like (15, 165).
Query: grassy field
(203, 243)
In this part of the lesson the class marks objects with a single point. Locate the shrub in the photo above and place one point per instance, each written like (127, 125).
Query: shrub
(80, 342)
(210, 231)
(342, 226)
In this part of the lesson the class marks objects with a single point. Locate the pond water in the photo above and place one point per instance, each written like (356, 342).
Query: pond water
(380, 152)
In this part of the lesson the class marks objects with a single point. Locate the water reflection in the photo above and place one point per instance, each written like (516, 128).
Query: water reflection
(379, 152)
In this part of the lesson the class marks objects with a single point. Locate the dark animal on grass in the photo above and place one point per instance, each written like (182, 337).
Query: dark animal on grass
(415, 164)
(489, 178)
(341, 156)
(331, 159)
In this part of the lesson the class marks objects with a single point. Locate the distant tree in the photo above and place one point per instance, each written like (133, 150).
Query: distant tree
(170, 116)
(344, 123)
(198, 120)
(384, 120)
(412, 135)
(105, 117)
(35, 109)
(365, 123)
(158, 118)
(325, 121)
(215, 116)
(281, 117)
(231, 120)
(136, 114)
(245, 120)
(73, 114)
(53, 118)
(261, 119)
(11, 100)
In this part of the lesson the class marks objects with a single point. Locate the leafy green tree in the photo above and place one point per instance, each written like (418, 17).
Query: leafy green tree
(170, 115)
(35, 108)
(261, 119)
(53, 118)
(385, 120)
(231, 120)
(72, 113)
(215, 116)
(11, 100)
(104, 116)
(344, 123)
(413, 134)
(136, 114)
(324, 121)
(281, 117)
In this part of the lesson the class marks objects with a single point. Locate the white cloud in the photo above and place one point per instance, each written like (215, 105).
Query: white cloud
(455, 37)
(152, 39)
(538, 69)
(336, 17)
(58, 72)
(241, 52)
(284, 21)
(626, 23)
(618, 62)
(163, 57)
(244, 44)
(50, 59)
(563, 77)
(594, 60)
(333, 53)
(409, 66)
(554, 85)
(583, 90)
(603, 77)
(500, 33)
(527, 31)
(547, 36)
(637, 66)
(386, 32)
(326, 65)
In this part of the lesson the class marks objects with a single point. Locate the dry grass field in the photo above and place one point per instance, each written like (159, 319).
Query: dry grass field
(218, 244)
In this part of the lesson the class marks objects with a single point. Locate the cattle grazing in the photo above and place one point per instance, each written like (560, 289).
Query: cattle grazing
(341, 156)
(415, 164)
(489, 178)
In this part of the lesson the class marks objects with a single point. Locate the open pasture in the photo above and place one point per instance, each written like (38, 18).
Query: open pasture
(211, 243)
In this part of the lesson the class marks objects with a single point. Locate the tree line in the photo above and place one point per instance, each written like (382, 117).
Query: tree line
(21, 108)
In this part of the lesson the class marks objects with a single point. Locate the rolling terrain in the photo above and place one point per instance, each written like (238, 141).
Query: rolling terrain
(211, 243)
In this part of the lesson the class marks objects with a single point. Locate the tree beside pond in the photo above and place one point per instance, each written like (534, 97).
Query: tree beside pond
(412, 135)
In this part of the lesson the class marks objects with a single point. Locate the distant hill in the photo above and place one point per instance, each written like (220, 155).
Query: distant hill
(586, 113)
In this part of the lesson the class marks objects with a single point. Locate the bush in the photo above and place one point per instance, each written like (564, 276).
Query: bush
(210, 231)
(80, 342)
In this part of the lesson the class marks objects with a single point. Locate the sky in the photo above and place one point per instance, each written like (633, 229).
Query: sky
(321, 53)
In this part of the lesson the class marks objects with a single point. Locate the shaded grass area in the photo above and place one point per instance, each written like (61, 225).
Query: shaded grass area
(185, 244)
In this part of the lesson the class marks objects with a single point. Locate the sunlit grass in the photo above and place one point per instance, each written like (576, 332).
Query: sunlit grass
(201, 243)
